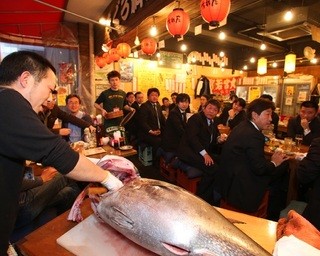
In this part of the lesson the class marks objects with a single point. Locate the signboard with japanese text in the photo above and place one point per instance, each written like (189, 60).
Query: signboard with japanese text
(223, 86)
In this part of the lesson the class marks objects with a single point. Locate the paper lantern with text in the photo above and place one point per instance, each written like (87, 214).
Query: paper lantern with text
(178, 22)
(290, 62)
(114, 55)
(100, 61)
(214, 11)
(123, 50)
(149, 46)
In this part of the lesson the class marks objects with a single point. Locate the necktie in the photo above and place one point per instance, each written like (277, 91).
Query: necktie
(211, 130)
(184, 117)
(157, 115)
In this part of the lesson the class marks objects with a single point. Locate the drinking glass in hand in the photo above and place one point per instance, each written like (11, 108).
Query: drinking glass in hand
(298, 139)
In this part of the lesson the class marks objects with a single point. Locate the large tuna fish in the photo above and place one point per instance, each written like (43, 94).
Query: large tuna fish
(168, 220)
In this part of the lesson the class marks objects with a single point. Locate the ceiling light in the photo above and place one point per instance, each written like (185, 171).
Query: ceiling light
(105, 22)
(241, 71)
(252, 60)
(288, 16)
(158, 55)
(183, 47)
(193, 59)
(222, 35)
(274, 64)
(245, 67)
(137, 41)
(153, 30)
(221, 54)
(263, 46)
(314, 60)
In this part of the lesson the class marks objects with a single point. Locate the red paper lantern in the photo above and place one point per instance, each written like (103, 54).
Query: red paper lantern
(114, 56)
(100, 61)
(123, 50)
(214, 11)
(149, 46)
(107, 58)
(178, 22)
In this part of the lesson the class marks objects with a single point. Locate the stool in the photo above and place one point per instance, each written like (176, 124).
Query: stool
(188, 184)
(167, 170)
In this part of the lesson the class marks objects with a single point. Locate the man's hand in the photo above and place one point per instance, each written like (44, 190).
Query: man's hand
(279, 157)
(92, 128)
(208, 160)
(305, 124)
(155, 132)
(64, 131)
(298, 226)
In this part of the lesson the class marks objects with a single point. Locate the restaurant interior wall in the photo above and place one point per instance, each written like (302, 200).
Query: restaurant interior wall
(141, 74)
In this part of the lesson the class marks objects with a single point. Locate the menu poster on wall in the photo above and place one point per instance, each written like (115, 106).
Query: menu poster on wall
(254, 93)
(289, 101)
(100, 88)
(223, 86)
(289, 90)
(171, 59)
(126, 71)
(302, 96)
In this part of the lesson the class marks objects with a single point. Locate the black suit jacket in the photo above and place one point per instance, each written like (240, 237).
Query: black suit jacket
(148, 119)
(174, 130)
(244, 173)
(294, 127)
(196, 138)
(309, 175)
(223, 118)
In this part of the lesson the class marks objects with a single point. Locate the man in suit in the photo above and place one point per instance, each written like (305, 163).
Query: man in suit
(198, 145)
(234, 115)
(245, 174)
(306, 123)
(151, 121)
(309, 177)
(175, 126)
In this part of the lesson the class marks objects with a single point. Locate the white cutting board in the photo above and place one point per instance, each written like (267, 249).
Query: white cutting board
(92, 237)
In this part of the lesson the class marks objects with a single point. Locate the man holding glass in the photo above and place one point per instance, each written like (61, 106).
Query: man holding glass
(307, 123)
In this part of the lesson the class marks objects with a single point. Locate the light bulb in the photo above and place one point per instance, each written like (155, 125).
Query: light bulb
(222, 35)
(137, 41)
(153, 30)
(288, 16)
(263, 46)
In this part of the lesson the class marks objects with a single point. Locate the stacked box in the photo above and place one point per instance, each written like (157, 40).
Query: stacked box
(145, 156)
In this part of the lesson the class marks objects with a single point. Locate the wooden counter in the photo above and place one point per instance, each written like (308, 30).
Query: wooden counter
(43, 240)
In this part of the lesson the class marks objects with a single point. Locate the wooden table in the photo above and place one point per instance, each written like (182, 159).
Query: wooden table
(43, 240)
(293, 165)
(112, 151)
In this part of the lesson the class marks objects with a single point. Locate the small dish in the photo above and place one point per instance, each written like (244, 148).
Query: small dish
(126, 147)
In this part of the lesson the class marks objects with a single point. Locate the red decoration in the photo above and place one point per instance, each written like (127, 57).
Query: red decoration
(107, 58)
(214, 11)
(149, 46)
(114, 56)
(178, 22)
(123, 50)
(100, 61)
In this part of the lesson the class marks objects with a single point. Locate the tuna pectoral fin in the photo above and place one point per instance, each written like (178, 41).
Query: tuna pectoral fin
(174, 249)
(121, 219)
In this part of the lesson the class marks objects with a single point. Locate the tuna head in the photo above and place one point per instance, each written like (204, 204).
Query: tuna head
(168, 220)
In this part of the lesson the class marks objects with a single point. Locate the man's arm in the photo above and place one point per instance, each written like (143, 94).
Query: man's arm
(69, 118)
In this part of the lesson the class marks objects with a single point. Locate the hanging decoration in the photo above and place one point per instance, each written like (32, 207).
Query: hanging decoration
(149, 46)
(114, 56)
(107, 58)
(100, 61)
(178, 22)
(123, 50)
(262, 66)
(214, 11)
(290, 62)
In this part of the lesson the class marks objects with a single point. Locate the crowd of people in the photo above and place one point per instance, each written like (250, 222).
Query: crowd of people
(234, 171)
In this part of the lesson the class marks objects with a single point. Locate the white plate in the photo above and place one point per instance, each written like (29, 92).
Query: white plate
(126, 147)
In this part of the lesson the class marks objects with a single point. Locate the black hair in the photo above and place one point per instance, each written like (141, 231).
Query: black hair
(206, 96)
(14, 64)
(112, 74)
(137, 93)
(267, 96)
(310, 104)
(182, 97)
(151, 90)
(129, 93)
(259, 105)
(174, 94)
(163, 99)
(241, 102)
(213, 102)
(73, 96)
